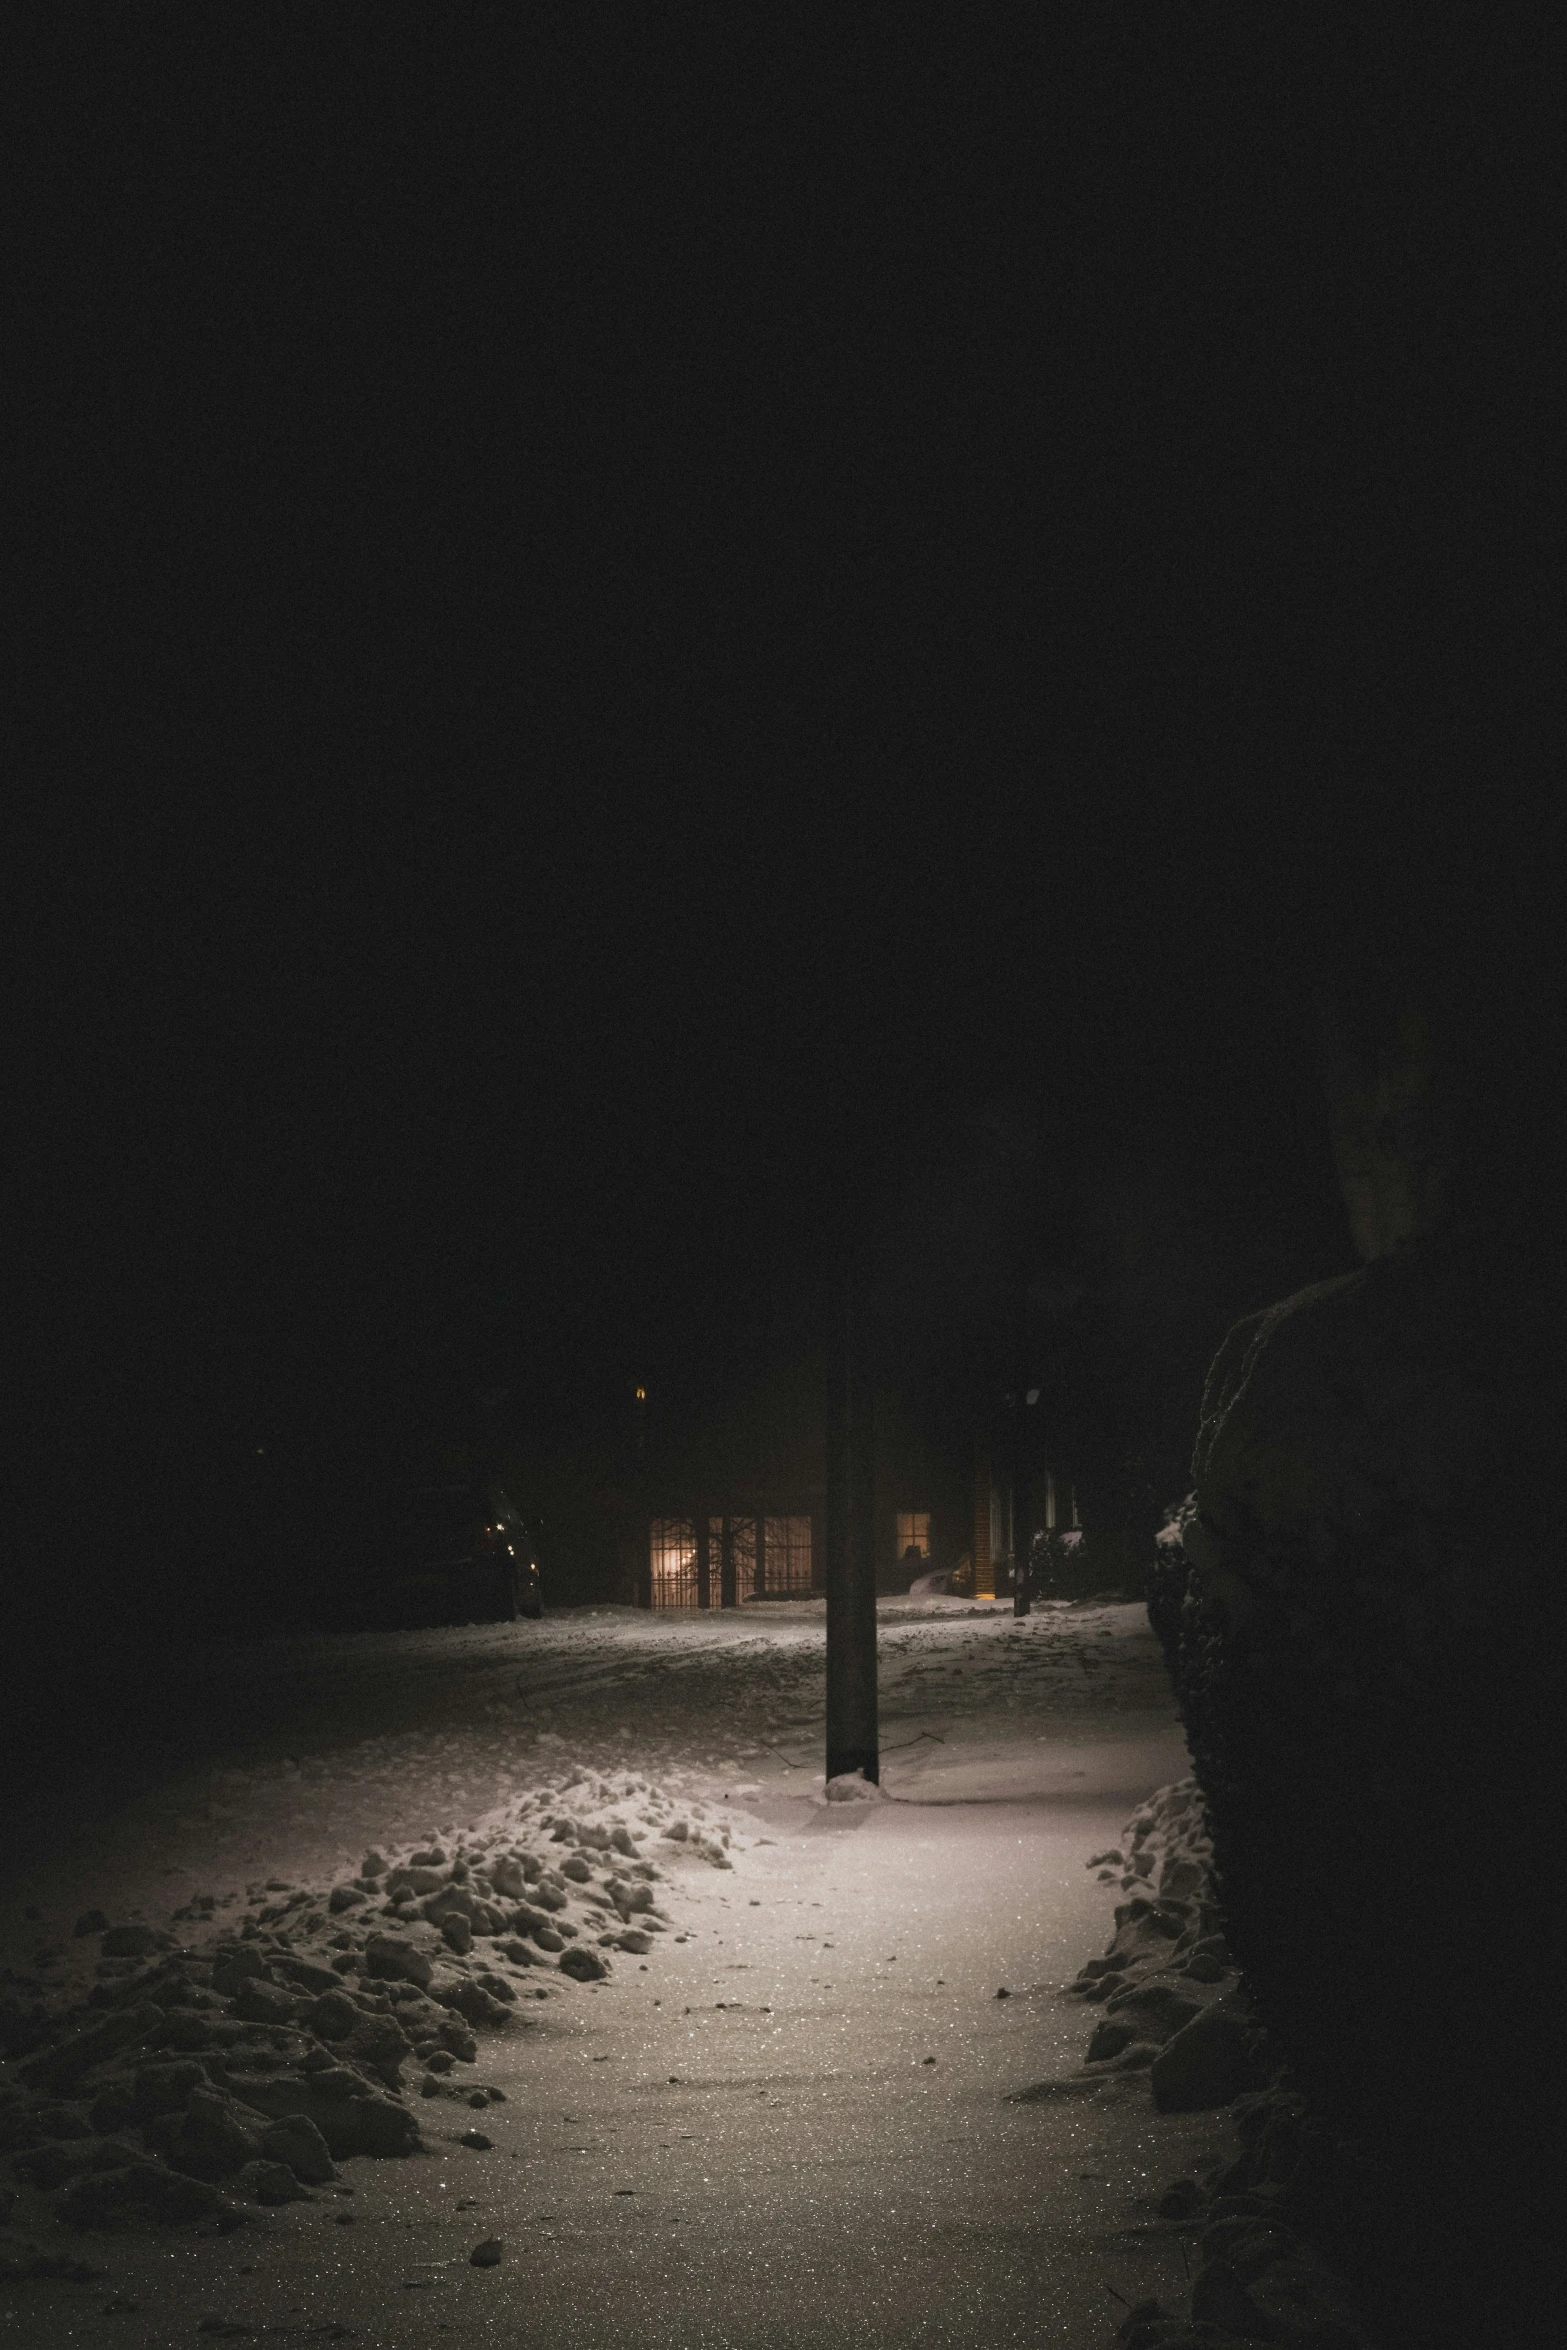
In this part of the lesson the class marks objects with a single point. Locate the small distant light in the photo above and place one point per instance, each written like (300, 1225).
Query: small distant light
(1033, 1395)
(260, 1451)
(642, 1395)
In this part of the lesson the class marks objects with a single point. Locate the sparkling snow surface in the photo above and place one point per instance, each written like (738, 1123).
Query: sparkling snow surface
(742, 2139)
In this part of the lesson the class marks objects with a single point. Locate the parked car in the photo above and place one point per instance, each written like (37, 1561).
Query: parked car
(454, 1553)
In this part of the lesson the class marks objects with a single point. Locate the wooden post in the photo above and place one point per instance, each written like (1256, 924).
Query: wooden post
(1021, 1512)
(852, 1734)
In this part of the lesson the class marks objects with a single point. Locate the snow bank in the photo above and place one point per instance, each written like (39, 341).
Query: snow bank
(239, 2059)
(1166, 1847)
(1174, 2007)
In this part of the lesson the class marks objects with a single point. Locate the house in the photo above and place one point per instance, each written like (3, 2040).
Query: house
(731, 1508)
(1047, 1497)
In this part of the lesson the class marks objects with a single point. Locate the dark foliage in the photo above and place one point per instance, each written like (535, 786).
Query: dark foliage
(1363, 1622)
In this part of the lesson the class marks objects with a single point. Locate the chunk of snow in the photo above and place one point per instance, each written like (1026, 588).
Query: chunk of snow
(852, 1787)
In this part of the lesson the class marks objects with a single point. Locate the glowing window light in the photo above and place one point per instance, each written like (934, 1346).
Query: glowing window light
(672, 1559)
(787, 1557)
(742, 1543)
(913, 1532)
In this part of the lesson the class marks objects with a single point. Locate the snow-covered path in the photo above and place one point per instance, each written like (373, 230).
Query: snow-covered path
(792, 2126)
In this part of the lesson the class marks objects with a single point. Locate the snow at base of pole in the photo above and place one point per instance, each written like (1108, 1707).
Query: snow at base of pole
(852, 1787)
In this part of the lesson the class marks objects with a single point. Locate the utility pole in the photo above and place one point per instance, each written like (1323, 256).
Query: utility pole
(1022, 1561)
(852, 1737)
(1022, 1554)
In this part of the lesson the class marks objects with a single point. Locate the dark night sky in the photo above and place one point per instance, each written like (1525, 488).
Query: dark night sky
(633, 617)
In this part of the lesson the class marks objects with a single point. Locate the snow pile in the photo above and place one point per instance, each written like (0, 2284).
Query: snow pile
(852, 1787)
(588, 1811)
(1166, 1846)
(1172, 2003)
(243, 2060)
(1174, 2008)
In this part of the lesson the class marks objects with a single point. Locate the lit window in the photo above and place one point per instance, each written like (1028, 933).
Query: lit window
(786, 1557)
(913, 1532)
(672, 1557)
(742, 1544)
